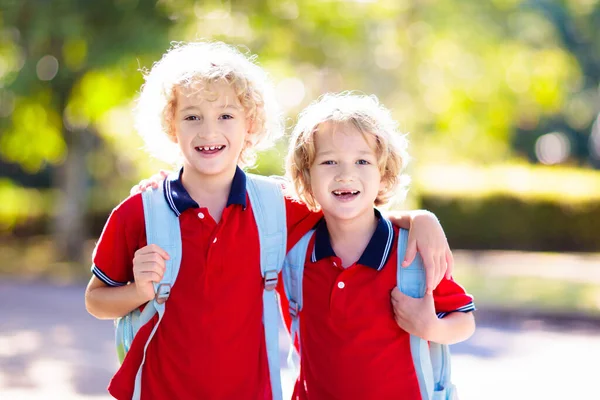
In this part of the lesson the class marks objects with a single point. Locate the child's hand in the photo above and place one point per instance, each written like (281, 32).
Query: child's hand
(152, 182)
(148, 267)
(427, 237)
(415, 316)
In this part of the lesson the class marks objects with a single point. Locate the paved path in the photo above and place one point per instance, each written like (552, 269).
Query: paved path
(50, 348)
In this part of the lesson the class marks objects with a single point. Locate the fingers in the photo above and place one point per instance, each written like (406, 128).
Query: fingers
(411, 253)
(397, 295)
(164, 174)
(443, 266)
(450, 263)
(155, 275)
(149, 264)
(152, 248)
(430, 273)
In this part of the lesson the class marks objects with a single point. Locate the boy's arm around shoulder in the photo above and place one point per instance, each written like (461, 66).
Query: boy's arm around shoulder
(124, 267)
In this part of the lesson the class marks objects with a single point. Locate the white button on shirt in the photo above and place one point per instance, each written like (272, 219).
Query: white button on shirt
(201, 215)
(341, 285)
(215, 240)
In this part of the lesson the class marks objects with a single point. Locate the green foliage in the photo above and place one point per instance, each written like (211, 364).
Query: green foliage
(502, 222)
(460, 76)
(70, 59)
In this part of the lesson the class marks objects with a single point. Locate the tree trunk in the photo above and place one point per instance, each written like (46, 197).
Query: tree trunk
(72, 181)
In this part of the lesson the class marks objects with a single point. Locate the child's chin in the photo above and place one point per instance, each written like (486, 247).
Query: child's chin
(344, 212)
(207, 168)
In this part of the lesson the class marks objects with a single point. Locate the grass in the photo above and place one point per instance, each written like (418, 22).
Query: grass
(532, 293)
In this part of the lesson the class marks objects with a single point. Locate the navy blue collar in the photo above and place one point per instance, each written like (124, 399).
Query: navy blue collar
(376, 253)
(180, 200)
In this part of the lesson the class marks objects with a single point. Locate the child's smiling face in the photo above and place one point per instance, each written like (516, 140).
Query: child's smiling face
(345, 177)
(211, 128)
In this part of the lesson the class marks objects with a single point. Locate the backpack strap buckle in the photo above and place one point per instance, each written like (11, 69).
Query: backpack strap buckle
(271, 278)
(162, 292)
(294, 308)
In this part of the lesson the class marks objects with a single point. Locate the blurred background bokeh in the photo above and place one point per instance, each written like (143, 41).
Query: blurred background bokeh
(500, 98)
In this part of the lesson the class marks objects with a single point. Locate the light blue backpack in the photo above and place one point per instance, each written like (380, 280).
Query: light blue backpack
(162, 229)
(431, 360)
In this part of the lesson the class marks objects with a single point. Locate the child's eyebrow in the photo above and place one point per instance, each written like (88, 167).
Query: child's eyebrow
(224, 106)
(230, 106)
(330, 152)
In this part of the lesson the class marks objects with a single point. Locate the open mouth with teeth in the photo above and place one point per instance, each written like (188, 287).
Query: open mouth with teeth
(209, 149)
(345, 194)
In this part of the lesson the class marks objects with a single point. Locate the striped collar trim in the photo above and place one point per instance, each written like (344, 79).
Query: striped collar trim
(180, 200)
(377, 252)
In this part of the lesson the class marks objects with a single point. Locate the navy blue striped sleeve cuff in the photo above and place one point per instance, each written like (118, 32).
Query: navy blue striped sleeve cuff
(104, 278)
(466, 308)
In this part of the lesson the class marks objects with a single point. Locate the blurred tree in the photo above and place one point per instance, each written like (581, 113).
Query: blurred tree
(466, 79)
(462, 77)
(61, 72)
(576, 25)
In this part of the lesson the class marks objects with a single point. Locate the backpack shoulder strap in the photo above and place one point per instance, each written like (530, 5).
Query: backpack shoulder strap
(162, 229)
(431, 360)
(411, 282)
(268, 205)
(293, 271)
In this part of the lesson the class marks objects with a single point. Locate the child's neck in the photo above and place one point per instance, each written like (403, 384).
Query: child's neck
(349, 238)
(210, 191)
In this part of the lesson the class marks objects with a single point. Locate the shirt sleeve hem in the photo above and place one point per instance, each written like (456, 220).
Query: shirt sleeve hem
(465, 309)
(104, 278)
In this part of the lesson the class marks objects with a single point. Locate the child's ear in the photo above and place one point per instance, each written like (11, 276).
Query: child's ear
(382, 186)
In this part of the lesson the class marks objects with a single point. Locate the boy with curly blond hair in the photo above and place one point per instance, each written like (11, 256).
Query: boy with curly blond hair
(346, 156)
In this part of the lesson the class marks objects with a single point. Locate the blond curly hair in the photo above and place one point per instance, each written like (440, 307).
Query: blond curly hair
(187, 64)
(370, 118)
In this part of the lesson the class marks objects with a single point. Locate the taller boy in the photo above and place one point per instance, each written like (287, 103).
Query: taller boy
(212, 107)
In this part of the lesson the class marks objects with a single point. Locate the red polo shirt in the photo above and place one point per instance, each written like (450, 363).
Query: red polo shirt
(352, 347)
(210, 343)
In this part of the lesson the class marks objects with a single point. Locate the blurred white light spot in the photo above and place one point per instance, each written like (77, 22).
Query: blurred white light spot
(51, 377)
(22, 342)
(290, 92)
(47, 68)
(552, 148)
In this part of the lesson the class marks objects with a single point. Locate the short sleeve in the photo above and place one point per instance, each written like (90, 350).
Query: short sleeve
(123, 234)
(300, 220)
(450, 297)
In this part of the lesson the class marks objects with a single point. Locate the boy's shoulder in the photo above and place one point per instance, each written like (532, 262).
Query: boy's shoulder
(130, 210)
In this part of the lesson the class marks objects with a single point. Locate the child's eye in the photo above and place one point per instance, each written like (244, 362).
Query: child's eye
(226, 116)
(363, 162)
(328, 162)
(192, 118)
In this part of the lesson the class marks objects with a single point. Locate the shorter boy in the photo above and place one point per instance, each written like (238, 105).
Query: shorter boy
(346, 157)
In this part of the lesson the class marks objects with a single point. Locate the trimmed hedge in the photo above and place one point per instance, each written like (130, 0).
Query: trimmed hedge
(503, 223)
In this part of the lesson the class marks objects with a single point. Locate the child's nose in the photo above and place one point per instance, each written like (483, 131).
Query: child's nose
(207, 129)
(344, 174)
